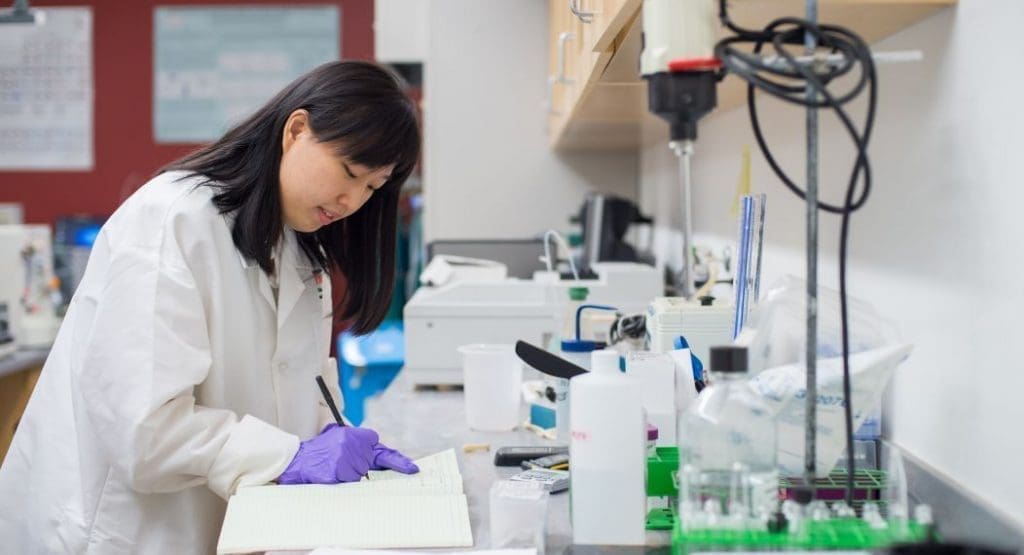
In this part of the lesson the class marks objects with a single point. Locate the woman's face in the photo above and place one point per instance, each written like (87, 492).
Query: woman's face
(318, 185)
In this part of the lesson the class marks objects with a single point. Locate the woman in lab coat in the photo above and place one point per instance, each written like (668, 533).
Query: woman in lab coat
(185, 367)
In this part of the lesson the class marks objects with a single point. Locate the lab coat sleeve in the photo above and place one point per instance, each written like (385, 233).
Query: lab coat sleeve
(148, 349)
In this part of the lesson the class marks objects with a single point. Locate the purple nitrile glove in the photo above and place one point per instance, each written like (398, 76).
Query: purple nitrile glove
(338, 454)
(386, 458)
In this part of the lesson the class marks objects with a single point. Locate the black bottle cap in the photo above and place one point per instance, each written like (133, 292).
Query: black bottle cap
(803, 495)
(728, 358)
(706, 300)
(777, 523)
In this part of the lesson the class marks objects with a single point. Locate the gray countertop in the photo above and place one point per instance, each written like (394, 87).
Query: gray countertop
(420, 423)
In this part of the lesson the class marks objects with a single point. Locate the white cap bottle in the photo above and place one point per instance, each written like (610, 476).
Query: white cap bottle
(607, 457)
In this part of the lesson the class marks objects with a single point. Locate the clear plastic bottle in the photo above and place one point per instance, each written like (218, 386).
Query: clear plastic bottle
(727, 443)
(577, 297)
(578, 351)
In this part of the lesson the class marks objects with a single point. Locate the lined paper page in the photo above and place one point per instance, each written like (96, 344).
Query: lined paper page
(413, 485)
(391, 510)
(336, 551)
(328, 517)
(440, 464)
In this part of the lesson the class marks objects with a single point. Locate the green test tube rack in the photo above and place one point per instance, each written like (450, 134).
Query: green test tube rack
(835, 534)
(831, 534)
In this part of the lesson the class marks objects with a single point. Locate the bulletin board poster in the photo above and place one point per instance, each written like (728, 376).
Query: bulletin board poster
(214, 66)
(46, 92)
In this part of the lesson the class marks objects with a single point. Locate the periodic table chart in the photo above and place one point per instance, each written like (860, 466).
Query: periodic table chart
(46, 92)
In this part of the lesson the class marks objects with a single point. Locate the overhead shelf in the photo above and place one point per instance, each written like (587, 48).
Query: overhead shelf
(605, 103)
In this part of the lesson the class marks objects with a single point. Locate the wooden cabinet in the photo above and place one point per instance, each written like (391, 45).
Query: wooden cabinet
(586, 107)
(597, 99)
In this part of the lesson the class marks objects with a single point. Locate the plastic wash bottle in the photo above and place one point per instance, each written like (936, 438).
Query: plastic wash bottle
(607, 462)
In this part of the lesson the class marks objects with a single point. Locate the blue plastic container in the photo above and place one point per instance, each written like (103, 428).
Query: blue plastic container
(367, 365)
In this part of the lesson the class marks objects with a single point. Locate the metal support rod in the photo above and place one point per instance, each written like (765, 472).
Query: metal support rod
(810, 450)
(684, 150)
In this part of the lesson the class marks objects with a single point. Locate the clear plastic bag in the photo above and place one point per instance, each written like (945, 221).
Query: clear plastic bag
(783, 389)
(775, 336)
(776, 331)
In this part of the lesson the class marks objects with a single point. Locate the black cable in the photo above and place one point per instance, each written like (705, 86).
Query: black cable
(791, 84)
(627, 327)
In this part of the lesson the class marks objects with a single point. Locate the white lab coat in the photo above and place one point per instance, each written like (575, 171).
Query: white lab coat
(175, 379)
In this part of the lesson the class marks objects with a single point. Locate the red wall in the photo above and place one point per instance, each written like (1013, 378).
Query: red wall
(124, 154)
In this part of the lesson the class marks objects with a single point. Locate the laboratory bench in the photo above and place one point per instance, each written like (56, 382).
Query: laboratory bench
(22, 360)
(18, 374)
(423, 422)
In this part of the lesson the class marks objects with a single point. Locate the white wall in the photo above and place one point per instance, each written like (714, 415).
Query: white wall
(938, 246)
(489, 172)
(400, 32)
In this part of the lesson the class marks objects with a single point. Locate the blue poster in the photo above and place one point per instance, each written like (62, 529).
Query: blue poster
(213, 66)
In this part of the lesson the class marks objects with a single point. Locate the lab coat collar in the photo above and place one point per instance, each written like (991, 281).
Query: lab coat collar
(299, 258)
(291, 286)
(229, 221)
(295, 273)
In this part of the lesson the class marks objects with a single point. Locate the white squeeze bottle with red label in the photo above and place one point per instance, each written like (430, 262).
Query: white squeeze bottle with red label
(607, 461)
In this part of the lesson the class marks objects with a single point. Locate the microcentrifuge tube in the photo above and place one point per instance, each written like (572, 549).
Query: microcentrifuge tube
(794, 516)
(923, 514)
(818, 510)
(689, 496)
(791, 509)
(870, 514)
(925, 519)
(712, 513)
(899, 521)
(841, 510)
(739, 486)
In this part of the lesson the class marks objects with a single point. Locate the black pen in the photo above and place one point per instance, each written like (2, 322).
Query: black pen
(330, 400)
(330, 403)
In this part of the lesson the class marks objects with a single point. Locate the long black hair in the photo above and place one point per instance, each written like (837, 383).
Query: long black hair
(361, 108)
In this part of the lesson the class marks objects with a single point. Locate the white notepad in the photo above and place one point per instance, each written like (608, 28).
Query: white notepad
(390, 510)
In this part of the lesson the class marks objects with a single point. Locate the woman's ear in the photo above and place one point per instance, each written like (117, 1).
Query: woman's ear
(297, 124)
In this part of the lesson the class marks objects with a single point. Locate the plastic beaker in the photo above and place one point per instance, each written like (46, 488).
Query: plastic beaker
(518, 515)
(492, 376)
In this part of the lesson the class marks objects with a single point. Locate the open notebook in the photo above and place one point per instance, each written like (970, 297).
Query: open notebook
(390, 510)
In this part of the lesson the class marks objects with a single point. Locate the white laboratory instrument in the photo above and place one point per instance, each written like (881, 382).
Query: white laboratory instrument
(703, 325)
(444, 268)
(30, 291)
(440, 319)
(680, 68)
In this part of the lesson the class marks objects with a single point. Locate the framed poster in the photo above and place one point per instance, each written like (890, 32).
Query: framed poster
(213, 66)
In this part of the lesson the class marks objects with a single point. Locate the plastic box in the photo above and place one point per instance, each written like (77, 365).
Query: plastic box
(367, 365)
